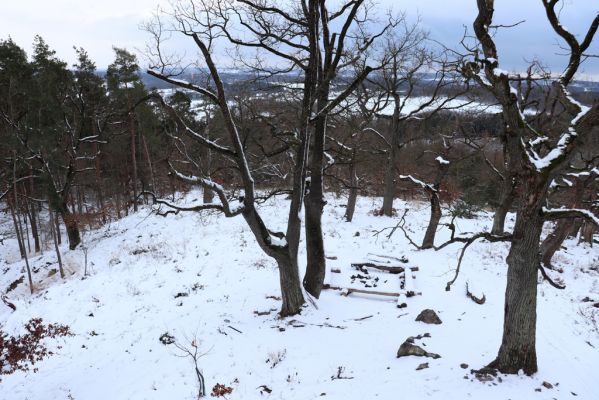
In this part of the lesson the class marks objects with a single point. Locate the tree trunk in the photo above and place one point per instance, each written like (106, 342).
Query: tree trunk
(208, 195)
(563, 227)
(575, 227)
(133, 153)
(149, 161)
(23, 216)
(314, 206)
(353, 193)
(586, 233)
(14, 209)
(429, 237)
(34, 231)
(291, 290)
(389, 193)
(60, 268)
(98, 179)
(57, 226)
(70, 220)
(554, 240)
(506, 199)
(72, 231)
(16, 224)
(518, 345)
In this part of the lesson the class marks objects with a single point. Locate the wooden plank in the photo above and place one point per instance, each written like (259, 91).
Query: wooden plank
(389, 268)
(349, 291)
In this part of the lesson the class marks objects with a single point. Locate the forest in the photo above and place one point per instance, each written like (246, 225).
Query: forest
(293, 219)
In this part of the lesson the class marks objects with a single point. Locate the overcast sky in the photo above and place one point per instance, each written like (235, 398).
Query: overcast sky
(99, 24)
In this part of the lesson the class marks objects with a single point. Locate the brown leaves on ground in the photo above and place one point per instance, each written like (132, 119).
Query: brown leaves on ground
(220, 390)
(18, 353)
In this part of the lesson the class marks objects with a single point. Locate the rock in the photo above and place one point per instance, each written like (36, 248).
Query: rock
(428, 316)
(596, 305)
(586, 299)
(411, 339)
(402, 305)
(422, 366)
(166, 338)
(463, 365)
(547, 385)
(409, 349)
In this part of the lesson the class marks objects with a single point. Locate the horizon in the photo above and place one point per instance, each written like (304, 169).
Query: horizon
(64, 24)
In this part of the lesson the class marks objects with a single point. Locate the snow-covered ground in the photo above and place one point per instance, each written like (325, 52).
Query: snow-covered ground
(203, 278)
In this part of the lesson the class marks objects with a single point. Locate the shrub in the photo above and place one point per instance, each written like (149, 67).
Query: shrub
(19, 353)
(464, 209)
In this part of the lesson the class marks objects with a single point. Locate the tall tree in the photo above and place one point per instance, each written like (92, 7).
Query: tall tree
(534, 159)
(126, 88)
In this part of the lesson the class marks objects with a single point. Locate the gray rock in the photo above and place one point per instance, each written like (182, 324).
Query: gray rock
(410, 349)
(428, 316)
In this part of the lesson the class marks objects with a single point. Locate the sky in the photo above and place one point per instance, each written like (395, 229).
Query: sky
(99, 24)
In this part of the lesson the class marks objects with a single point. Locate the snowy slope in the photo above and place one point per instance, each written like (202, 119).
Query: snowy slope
(142, 264)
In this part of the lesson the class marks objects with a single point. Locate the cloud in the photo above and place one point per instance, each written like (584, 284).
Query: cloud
(100, 24)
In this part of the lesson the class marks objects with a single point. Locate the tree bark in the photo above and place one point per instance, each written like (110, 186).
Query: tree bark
(586, 233)
(506, 199)
(389, 193)
(518, 345)
(60, 268)
(563, 227)
(554, 240)
(57, 227)
(314, 206)
(291, 292)
(70, 220)
(133, 153)
(431, 231)
(353, 192)
(389, 190)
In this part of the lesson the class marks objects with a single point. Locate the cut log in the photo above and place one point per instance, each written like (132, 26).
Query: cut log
(348, 291)
(389, 268)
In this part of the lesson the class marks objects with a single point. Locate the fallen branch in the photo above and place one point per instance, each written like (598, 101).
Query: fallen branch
(390, 269)
(9, 304)
(548, 279)
(477, 300)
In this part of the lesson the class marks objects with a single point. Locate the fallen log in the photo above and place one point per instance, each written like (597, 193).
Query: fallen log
(348, 291)
(388, 268)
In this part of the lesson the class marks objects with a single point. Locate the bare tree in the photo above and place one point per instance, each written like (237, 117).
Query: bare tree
(533, 159)
(401, 92)
(195, 21)
(302, 37)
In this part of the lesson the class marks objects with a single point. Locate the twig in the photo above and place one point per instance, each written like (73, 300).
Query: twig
(475, 299)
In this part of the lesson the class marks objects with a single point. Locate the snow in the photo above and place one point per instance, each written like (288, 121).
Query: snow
(541, 163)
(441, 160)
(587, 214)
(140, 264)
(416, 181)
(413, 104)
